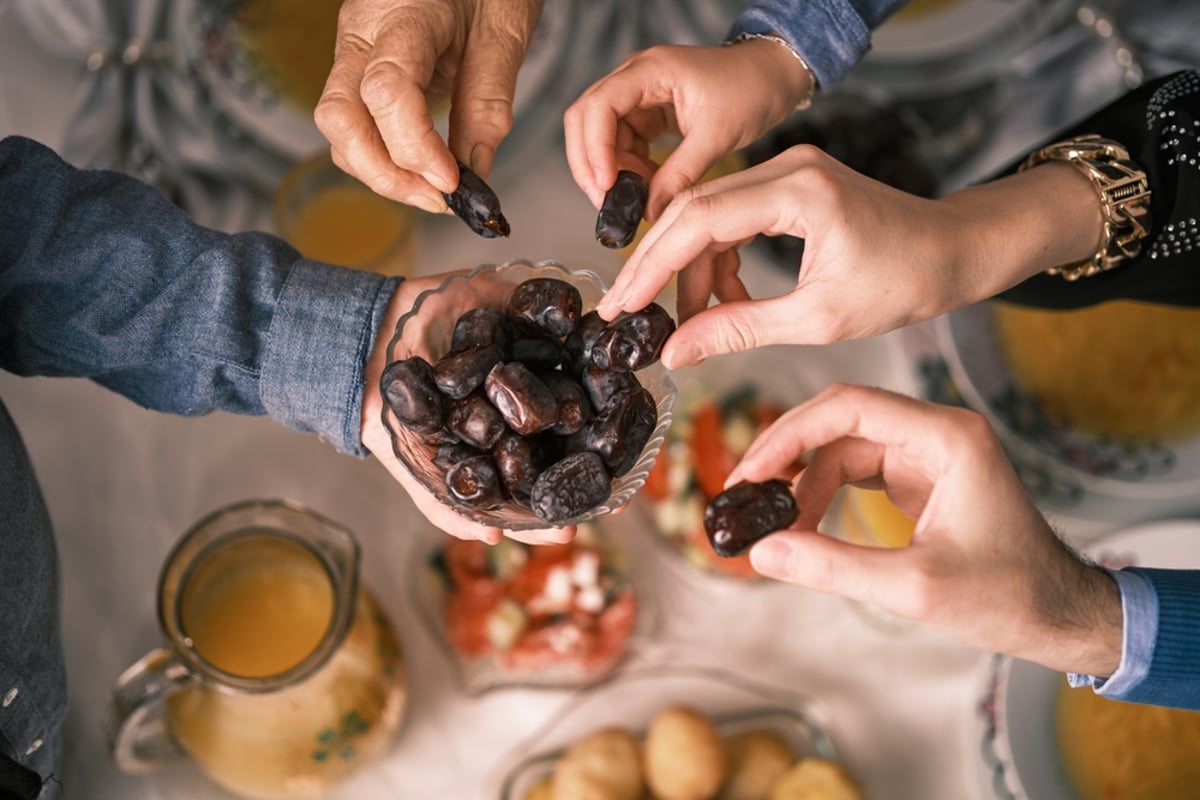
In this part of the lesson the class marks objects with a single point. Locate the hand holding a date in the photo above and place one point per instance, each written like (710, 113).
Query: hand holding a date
(397, 60)
(984, 567)
(717, 98)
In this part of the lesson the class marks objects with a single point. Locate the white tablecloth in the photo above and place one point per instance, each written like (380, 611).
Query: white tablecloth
(122, 483)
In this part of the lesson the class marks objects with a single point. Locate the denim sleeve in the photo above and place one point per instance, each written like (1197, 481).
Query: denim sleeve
(1160, 650)
(832, 35)
(101, 277)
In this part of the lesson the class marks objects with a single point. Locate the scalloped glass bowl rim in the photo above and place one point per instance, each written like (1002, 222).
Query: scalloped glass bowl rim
(624, 487)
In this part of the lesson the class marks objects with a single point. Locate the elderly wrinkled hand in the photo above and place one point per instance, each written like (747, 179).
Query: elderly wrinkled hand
(394, 61)
(983, 565)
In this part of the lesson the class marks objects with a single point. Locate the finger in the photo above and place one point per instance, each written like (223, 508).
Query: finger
(825, 564)
(716, 214)
(629, 94)
(695, 286)
(394, 81)
(885, 418)
(848, 460)
(481, 113)
(681, 170)
(728, 286)
(356, 145)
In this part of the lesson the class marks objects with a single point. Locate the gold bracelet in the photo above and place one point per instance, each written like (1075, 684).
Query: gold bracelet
(1124, 193)
(772, 37)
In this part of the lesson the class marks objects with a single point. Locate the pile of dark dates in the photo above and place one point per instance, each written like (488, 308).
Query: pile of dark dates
(535, 404)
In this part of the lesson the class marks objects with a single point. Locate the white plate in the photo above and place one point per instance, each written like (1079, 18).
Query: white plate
(1167, 471)
(1014, 746)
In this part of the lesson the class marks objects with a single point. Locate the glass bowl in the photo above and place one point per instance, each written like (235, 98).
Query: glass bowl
(505, 621)
(426, 331)
(631, 701)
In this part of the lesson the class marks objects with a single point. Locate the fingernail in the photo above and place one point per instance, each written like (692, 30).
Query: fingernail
(481, 159)
(439, 183)
(434, 204)
(686, 354)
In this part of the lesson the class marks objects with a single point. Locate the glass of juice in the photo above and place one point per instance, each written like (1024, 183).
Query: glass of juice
(330, 216)
(868, 517)
(280, 675)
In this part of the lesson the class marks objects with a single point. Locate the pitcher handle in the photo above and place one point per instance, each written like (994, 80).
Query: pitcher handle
(138, 734)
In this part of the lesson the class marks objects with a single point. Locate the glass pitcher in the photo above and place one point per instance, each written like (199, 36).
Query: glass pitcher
(280, 675)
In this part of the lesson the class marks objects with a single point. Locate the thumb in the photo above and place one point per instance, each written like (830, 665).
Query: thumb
(481, 113)
(820, 562)
(733, 327)
(681, 170)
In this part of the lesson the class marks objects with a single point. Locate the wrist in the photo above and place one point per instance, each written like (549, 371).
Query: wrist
(1010, 229)
(1084, 622)
(781, 64)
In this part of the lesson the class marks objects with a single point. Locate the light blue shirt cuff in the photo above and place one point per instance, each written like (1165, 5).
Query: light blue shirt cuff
(322, 333)
(1139, 605)
(829, 34)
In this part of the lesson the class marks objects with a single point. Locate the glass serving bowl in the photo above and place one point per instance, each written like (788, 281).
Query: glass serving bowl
(632, 700)
(505, 621)
(426, 331)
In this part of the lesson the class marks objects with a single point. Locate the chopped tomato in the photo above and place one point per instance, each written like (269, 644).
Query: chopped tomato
(657, 486)
(713, 462)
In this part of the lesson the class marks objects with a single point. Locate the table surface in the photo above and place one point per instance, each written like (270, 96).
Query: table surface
(122, 483)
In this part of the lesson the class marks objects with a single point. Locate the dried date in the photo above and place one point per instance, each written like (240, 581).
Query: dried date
(742, 514)
(481, 326)
(460, 373)
(578, 345)
(525, 403)
(411, 392)
(548, 305)
(620, 431)
(622, 210)
(574, 407)
(602, 385)
(476, 421)
(475, 482)
(519, 461)
(450, 454)
(540, 354)
(634, 339)
(570, 487)
(476, 204)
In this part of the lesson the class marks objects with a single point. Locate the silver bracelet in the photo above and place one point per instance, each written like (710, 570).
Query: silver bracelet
(771, 37)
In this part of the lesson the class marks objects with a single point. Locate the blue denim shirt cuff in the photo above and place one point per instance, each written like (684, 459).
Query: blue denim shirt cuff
(1139, 604)
(322, 333)
(830, 34)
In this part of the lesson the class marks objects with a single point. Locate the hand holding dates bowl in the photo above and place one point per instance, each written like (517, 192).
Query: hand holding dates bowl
(494, 403)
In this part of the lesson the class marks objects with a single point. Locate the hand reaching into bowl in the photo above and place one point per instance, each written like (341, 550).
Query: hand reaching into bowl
(983, 566)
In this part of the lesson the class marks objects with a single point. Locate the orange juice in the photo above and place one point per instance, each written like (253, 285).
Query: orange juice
(265, 612)
(347, 224)
(329, 216)
(870, 518)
